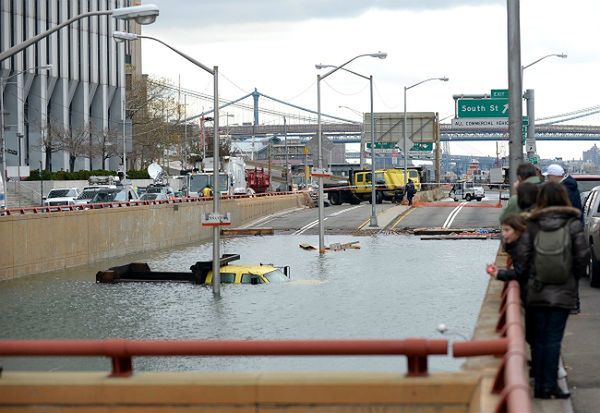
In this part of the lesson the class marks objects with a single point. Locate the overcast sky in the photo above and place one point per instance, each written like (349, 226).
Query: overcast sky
(273, 45)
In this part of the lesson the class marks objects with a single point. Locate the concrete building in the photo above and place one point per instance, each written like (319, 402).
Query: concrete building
(61, 116)
(592, 155)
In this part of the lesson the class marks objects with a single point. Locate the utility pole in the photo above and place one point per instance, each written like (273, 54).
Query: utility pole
(515, 112)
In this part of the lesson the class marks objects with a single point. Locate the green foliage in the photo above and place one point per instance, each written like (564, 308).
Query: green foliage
(82, 175)
(143, 174)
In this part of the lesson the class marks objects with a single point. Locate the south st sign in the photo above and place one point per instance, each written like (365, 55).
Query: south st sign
(482, 108)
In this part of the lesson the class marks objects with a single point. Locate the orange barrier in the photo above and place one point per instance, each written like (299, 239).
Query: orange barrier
(511, 381)
(121, 351)
(454, 205)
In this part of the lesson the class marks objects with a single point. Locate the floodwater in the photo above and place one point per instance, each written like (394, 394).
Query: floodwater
(393, 287)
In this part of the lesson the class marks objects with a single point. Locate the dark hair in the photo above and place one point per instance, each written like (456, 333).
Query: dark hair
(515, 221)
(527, 194)
(526, 170)
(553, 194)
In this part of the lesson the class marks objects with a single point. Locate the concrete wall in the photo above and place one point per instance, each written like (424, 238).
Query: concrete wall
(35, 243)
(240, 392)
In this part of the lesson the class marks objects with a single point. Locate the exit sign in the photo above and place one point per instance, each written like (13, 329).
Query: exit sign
(483, 108)
(499, 93)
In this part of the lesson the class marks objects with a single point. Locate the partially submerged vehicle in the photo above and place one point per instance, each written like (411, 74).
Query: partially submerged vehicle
(200, 273)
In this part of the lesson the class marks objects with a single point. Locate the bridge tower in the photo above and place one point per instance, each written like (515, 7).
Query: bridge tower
(255, 96)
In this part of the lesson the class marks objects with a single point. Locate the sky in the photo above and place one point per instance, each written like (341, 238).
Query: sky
(273, 45)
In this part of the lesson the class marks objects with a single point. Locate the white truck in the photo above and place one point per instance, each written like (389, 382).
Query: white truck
(467, 191)
(234, 169)
(232, 178)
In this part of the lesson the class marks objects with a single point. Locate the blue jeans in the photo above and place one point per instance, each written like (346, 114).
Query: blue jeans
(547, 334)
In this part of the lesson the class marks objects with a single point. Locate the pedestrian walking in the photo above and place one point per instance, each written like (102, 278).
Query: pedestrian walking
(410, 191)
(555, 256)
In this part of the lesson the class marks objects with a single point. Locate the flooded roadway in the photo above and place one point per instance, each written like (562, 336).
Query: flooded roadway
(393, 287)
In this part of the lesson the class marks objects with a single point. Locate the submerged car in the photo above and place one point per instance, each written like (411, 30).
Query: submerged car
(249, 274)
(200, 273)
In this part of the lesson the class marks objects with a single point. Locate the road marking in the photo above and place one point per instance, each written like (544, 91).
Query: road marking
(361, 226)
(402, 216)
(270, 217)
(307, 227)
(343, 211)
(453, 215)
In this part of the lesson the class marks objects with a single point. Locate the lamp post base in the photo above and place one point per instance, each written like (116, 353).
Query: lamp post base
(373, 222)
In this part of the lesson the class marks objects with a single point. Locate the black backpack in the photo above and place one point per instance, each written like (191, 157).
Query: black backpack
(553, 255)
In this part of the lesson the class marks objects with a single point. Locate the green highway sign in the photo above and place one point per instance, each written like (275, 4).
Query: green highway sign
(383, 145)
(499, 93)
(422, 147)
(482, 108)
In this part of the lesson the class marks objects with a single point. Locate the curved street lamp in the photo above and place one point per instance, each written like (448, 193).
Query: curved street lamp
(529, 95)
(216, 266)
(443, 79)
(2, 83)
(373, 218)
(145, 14)
(379, 55)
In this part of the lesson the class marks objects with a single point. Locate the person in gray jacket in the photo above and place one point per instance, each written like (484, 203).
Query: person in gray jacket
(549, 304)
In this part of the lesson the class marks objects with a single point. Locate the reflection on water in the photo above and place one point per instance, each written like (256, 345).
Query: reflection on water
(393, 287)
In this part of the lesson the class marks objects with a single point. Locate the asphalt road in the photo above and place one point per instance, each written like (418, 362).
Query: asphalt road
(345, 218)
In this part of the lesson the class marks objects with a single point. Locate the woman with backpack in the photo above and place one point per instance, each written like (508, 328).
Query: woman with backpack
(555, 256)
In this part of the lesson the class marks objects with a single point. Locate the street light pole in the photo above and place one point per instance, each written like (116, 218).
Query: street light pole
(515, 113)
(216, 263)
(530, 97)
(287, 168)
(404, 137)
(373, 218)
(320, 165)
(379, 55)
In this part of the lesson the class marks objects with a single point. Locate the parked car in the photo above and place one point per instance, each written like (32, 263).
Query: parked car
(591, 217)
(154, 196)
(89, 192)
(585, 183)
(117, 194)
(61, 196)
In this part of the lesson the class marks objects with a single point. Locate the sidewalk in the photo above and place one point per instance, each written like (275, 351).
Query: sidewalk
(386, 217)
(581, 351)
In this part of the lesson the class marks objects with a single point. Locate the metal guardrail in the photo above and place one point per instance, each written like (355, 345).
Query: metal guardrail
(121, 352)
(511, 381)
(84, 207)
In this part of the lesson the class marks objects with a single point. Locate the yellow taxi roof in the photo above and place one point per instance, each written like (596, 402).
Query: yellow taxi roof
(249, 268)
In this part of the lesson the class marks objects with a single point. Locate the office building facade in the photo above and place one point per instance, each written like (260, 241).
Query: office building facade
(71, 115)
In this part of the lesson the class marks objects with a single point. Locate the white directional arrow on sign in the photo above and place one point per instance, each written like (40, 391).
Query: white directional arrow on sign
(505, 108)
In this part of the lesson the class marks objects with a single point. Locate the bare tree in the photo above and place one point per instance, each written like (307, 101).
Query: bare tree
(74, 141)
(105, 144)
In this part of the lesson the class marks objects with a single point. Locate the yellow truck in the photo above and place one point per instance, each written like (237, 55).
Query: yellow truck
(388, 183)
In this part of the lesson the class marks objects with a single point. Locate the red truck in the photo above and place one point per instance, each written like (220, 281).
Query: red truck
(258, 180)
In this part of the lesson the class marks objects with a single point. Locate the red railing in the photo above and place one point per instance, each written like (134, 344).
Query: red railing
(511, 381)
(121, 351)
(62, 208)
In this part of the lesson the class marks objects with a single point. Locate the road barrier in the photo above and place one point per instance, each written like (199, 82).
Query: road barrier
(511, 381)
(128, 204)
(121, 351)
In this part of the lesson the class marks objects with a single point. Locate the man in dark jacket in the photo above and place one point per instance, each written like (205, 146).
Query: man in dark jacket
(556, 173)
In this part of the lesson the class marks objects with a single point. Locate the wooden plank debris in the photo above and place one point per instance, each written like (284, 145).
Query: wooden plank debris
(247, 231)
